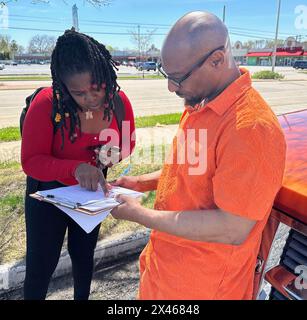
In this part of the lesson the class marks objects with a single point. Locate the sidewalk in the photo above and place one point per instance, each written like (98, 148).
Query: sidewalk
(23, 85)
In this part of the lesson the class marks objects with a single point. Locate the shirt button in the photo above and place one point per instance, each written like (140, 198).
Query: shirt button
(93, 158)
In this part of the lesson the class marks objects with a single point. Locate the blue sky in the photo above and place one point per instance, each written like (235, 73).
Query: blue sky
(245, 19)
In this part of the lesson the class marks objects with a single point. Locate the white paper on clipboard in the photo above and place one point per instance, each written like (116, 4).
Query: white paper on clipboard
(94, 202)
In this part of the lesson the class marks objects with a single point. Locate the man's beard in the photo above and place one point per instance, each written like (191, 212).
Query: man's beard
(193, 101)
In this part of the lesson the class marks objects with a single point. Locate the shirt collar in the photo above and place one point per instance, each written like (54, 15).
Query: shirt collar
(228, 97)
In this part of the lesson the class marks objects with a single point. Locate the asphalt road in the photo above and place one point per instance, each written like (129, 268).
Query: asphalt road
(37, 69)
(150, 97)
(116, 281)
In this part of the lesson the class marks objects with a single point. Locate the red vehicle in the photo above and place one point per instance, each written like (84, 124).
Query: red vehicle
(289, 278)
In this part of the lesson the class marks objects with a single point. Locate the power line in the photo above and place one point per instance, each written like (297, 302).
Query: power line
(232, 30)
(249, 36)
(84, 24)
(89, 32)
(96, 21)
(127, 33)
(251, 33)
(119, 24)
(259, 31)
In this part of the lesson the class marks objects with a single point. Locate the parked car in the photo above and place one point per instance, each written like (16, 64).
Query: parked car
(2, 66)
(300, 64)
(288, 276)
(14, 63)
(148, 65)
(137, 64)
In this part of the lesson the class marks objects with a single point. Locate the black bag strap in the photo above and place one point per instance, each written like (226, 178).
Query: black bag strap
(29, 100)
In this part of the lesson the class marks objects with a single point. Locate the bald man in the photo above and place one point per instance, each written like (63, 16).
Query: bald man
(216, 190)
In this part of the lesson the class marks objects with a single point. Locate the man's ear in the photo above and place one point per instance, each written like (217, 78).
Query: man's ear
(218, 58)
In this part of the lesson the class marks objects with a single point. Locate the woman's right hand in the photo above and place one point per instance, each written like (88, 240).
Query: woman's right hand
(89, 177)
(127, 182)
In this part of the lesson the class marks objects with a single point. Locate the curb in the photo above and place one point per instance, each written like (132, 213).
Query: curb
(116, 247)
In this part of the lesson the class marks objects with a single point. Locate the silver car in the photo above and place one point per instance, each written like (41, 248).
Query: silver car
(148, 66)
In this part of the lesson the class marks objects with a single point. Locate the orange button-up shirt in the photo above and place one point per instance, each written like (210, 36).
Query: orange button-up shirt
(244, 164)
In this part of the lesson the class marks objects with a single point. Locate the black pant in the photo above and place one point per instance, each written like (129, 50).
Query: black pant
(46, 227)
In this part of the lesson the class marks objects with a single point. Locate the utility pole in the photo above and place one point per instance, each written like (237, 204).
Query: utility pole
(224, 14)
(75, 19)
(139, 41)
(276, 37)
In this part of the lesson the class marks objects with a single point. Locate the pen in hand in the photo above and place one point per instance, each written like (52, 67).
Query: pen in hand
(124, 173)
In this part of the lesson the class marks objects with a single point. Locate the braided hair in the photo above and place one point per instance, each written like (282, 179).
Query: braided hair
(76, 53)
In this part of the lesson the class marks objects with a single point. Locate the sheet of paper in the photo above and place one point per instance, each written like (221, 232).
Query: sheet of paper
(86, 222)
(100, 205)
(89, 200)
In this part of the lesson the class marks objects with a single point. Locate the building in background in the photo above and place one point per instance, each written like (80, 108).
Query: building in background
(40, 58)
(259, 57)
(129, 57)
(292, 51)
(239, 53)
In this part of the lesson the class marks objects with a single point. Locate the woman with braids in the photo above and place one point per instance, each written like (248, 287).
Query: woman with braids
(62, 128)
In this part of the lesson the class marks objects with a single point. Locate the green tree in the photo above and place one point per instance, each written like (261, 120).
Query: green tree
(4, 47)
(110, 48)
(4, 44)
(13, 49)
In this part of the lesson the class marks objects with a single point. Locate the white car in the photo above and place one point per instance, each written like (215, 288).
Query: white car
(2, 66)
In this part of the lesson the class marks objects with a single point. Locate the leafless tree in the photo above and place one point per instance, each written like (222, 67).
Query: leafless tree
(262, 44)
(42, 44)
(141, 41)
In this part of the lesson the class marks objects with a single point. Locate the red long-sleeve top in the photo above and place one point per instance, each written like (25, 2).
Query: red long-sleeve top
(41, 155)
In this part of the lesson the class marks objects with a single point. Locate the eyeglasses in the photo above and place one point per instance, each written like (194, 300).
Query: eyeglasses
(177, 82)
